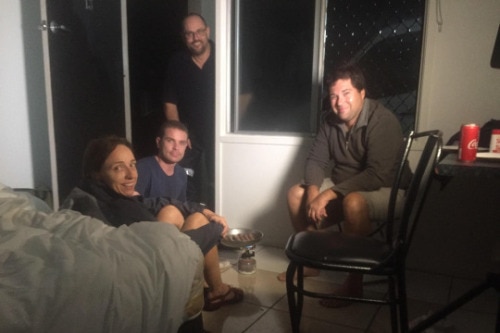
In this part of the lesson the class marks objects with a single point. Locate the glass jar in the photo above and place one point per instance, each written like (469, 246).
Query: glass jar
(246, 263)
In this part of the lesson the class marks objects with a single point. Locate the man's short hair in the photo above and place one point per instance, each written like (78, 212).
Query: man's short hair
(347, 71)
(172, 124)
(191, 15)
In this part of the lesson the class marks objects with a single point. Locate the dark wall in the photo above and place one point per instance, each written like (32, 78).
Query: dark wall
(459, 228)
(154, 35)
(86, 70)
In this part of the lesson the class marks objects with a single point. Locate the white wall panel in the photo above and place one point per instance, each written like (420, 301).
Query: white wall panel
(458, 85)
(254, 182)
(16, 166)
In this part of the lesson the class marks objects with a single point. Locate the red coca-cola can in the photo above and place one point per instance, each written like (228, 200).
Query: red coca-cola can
(469, 139)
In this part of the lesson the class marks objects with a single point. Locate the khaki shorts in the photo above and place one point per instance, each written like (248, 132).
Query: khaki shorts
(378, 203)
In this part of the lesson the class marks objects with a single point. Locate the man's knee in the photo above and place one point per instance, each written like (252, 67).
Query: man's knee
(356, 212)
(295, 194)
(354, 202)
(172, 215)
(195, 221)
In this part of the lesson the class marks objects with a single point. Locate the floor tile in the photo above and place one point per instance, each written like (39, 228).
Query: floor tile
(463, 321)
(233, 318)
(417, 310)
(427, 287)
(356, 315)
(485, 302)
(265, 307)
(274, 321)
(271, 259)
(261, 288)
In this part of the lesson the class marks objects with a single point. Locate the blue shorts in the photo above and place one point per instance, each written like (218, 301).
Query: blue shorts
(206, 236)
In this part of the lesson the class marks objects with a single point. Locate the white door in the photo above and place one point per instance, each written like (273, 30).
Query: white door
(84, 70)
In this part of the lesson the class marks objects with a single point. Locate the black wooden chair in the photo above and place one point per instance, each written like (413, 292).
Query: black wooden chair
(337, 251)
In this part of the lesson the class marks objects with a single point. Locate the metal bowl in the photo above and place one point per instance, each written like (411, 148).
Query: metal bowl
(241, 237)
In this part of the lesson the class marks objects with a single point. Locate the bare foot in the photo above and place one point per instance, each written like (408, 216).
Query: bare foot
(308, 272)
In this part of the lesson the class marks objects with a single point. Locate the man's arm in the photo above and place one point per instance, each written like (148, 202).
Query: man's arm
(316, 163)
(317, 201)
(212, 217)
(318, 159)
(171, 112)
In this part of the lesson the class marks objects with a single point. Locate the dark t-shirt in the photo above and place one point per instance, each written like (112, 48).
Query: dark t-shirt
(193, 91)
(153, 182)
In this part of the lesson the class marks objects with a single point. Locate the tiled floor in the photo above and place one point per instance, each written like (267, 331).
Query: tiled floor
(265, 308)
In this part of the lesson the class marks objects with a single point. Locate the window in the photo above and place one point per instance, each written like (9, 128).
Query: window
(282, 48)
(274, 62)
(385, 38)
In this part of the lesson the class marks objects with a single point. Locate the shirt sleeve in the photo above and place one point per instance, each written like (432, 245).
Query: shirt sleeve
(318, 159)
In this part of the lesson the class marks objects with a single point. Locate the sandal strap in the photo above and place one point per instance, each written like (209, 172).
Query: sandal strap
(221, 300)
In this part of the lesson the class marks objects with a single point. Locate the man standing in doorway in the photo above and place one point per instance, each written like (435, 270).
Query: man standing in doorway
(189, 96)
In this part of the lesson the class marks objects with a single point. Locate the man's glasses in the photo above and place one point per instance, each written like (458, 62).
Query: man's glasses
(198, 33)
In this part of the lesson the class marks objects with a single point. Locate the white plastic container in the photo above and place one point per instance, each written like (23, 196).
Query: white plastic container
(495, 141)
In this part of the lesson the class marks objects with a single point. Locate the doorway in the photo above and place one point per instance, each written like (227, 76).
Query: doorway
(85, 83)
(153, 36)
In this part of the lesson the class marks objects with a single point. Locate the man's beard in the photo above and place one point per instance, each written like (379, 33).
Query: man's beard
(198, 51)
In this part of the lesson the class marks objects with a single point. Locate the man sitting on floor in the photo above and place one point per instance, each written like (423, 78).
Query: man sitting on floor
(161, 176)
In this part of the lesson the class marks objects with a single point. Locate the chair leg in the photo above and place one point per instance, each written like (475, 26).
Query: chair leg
(497, 329)
(294, 294)
(403, 304)
(494, 280)
(393, 296)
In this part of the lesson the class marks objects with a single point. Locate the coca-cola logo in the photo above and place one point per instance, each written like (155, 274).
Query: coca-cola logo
(472, 144)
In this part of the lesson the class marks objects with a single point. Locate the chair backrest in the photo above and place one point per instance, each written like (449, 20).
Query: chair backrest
(403, 227)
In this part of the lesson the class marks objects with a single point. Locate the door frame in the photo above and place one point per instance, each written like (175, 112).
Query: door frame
(49, 105)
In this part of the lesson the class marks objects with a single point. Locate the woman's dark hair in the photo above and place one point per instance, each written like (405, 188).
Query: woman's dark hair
(97, 152)
(347, 71)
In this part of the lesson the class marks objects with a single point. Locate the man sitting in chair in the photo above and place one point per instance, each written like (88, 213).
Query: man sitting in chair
(360, 140)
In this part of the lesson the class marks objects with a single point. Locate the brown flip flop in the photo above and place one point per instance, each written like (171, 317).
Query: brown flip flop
(218, 301)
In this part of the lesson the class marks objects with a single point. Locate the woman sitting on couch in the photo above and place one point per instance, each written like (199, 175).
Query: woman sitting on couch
(109, 175)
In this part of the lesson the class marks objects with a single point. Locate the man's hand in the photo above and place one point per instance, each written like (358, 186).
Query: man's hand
(171, 112)
(316, 205)
(212, 217)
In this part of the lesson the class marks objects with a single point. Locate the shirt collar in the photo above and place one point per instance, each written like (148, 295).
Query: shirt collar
(363, 116)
